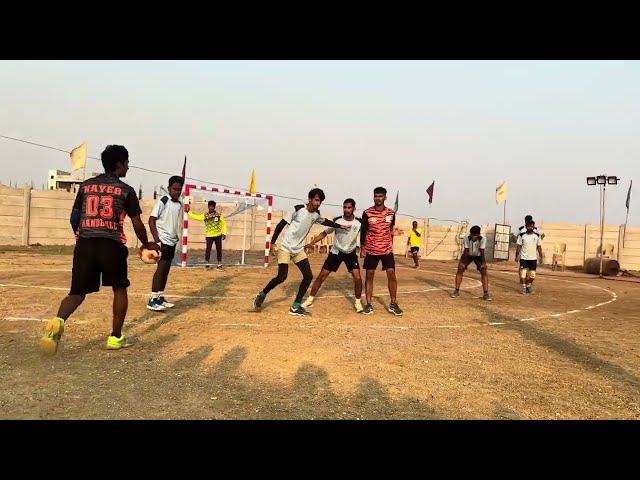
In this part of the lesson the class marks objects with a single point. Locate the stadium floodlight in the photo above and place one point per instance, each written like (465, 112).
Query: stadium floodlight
(602, 179)
(612, 180)
(591, 181)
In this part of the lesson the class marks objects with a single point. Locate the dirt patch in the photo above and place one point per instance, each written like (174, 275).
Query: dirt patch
(212, 356)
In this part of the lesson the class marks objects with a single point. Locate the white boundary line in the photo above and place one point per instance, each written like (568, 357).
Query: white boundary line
(24, 319)
(614, 297)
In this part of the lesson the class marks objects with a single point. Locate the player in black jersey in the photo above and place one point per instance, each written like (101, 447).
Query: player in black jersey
(97, 218)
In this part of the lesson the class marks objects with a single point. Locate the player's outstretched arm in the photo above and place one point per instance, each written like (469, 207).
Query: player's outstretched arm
(277, 231)
(329, 223)
(316, 240)
(195, 216)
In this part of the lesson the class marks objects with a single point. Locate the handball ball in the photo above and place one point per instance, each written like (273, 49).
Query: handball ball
(149, 255)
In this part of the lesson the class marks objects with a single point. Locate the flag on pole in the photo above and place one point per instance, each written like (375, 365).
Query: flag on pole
(252, 184)
(501, 193)
(184, 169)
(79, 157)
(395, 205)
(629, 196)
(430, 192)
(315, 183)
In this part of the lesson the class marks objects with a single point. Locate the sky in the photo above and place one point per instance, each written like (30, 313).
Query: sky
(543, 126)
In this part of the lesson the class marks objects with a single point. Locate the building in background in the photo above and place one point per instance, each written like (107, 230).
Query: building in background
(61, 180)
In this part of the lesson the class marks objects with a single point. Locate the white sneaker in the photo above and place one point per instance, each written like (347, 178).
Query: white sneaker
(164, 303)
(358, 306)
(155, 305)
(308, 302)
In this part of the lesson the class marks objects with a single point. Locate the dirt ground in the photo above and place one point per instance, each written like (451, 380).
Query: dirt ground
(569, 351)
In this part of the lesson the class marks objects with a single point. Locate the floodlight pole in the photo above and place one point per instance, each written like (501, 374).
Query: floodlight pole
(602, 181)
(604, 190)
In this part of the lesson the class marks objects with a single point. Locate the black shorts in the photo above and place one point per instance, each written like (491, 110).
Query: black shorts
(167, 251)
(467, 261)
(98, 257)
(528, 264)
(371, 261)
(415, 249)
(333, 261)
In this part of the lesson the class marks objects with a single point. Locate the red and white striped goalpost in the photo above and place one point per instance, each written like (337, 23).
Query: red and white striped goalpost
(238, 193)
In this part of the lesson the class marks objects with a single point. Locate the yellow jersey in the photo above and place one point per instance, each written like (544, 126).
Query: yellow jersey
(214, 223)
(414, 240)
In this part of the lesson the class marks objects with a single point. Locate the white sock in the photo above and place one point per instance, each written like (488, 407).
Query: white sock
(155, 295)
(358, 300)
(310, 298)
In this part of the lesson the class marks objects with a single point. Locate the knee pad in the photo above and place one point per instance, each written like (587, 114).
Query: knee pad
(532, 274)
(523, 272)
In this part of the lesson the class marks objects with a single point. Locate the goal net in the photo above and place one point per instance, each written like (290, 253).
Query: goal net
(248, 223)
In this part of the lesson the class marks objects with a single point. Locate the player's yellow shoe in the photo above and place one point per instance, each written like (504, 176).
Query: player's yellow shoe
(115, 343)
(52, 334)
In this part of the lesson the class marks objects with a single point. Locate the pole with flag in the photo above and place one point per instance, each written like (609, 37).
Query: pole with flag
(395, 205)
(627, 217)
(252, 189)
(430, 192)
(501, 196)
(79, 159)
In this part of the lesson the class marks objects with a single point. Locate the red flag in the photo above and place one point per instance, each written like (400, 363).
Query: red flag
(430, 192)
(184, 169)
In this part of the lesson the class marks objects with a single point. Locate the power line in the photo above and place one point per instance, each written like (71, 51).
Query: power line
(200, 180)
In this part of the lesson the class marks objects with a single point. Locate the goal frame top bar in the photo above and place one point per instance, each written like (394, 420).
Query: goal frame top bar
(191, 188)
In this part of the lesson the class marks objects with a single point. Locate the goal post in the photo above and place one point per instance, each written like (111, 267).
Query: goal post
(243, 230)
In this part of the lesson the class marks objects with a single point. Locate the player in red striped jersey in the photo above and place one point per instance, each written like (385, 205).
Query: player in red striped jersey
(376, 245)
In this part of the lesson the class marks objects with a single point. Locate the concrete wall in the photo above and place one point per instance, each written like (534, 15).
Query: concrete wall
(12, 211)
(29, 217)
(46, 213)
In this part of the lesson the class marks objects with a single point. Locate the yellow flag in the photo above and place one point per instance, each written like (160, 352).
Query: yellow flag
(501, 193)
(252, 186)
(315, 183)
(79, 157)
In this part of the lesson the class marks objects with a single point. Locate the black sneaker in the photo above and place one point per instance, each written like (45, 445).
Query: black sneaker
(487, 296)
(220, 268)
(368, 309)
(455, 294)
(395, 309)
(299, 312)
(259, 300)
